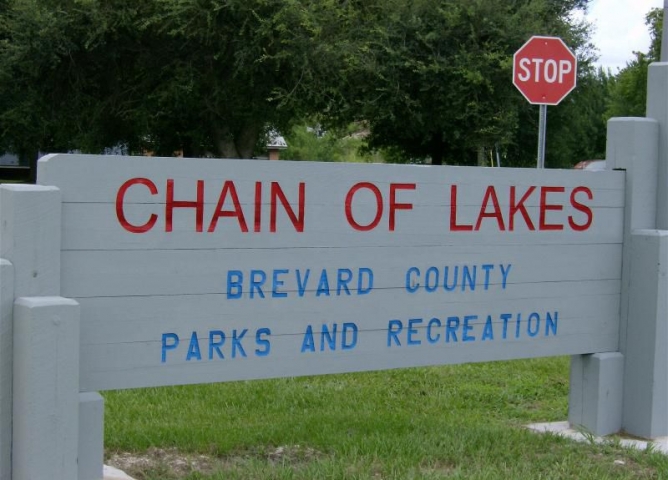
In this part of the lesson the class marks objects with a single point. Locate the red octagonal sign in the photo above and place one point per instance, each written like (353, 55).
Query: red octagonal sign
(544, 70)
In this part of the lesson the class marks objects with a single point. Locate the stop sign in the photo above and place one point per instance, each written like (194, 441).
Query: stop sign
(544, 70)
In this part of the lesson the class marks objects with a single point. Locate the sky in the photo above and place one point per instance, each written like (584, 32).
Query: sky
(619, 29)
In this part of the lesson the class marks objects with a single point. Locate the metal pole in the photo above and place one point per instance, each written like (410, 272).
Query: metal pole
(542, 124)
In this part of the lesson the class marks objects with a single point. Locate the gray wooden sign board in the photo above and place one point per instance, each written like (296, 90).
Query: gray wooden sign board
(207, 270)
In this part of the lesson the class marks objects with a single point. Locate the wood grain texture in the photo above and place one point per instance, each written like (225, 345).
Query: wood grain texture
(140, 292)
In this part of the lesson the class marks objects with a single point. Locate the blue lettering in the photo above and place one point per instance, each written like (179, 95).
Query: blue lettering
(467, 328)
(412, 331)
(276, 282)
(412, 286)
(262, 342)
(517, 325)
(215, 345)
(530, 331)
(433, 323)
(257, 279)
(169, 342)
(363, 289)
(488, 331)
(431, 272)
(348, 344)
(328, 336)
(446, 274)
(308, 344)
(235, 279)
(451, 329)
(341, 282)
(236, 342)
(468, 275)
(323, 285)
(551, 324)
(487, 268)
(394, 328)
(504, 274)
(301, 283)
(505, 317)
(193, 348)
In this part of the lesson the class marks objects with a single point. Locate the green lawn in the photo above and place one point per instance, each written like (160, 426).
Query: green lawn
(462, 421)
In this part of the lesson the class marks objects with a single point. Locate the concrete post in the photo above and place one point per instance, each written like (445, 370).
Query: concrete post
(633, 146)
(646, 367)
(30, 222)
(30, 246)
(91, 436)
(657, 108)
(643, 329)
(6, 363)
(46, 388)
(596, 385)
(595, 393)
(30, 230)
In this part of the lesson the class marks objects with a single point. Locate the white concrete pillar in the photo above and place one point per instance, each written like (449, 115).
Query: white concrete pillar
(91, 436)
(30, 223)
(597, 383)
(46, 388)
(6, 364)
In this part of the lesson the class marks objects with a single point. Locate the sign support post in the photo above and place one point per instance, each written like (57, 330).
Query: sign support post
(542, 130)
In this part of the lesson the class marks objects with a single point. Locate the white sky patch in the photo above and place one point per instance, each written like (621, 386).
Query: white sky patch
(619, 29)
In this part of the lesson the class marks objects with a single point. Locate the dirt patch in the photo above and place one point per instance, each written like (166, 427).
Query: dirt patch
(175, 464)
(158, 459)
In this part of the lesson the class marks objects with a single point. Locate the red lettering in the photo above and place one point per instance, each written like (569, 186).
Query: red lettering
(393, 201)
(171, 204)
(258, 207)
(544, 207)
(278, 194)
(120, 199)
(453, 213)
(490, 193)
(581, 208)
(349, 206)
(519, 207)
(228, 186)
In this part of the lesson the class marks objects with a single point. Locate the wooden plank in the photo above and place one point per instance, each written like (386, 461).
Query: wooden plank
(288, 274)
(91, 229)
(533, 264)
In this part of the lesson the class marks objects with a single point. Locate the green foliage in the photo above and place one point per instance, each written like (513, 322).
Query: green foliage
(458, 421)
(313, 143)
(433, 79)
(201, 76)
(628, 91)
(430, 78)
(576, 127)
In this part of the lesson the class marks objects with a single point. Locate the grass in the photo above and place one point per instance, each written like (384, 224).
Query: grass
(461, 421)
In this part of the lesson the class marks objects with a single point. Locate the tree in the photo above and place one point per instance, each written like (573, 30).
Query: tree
(628, 92)
(577, 127)
(434, 78)
(203, 76)
(207, 77)
(65, 66)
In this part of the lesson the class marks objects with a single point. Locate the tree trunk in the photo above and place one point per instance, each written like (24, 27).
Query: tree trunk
(482, 161)
(437, 147)
(247, 140)
(224, 142)
(240, 145)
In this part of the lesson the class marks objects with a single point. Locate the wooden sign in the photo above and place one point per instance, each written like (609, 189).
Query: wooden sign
(206, 270)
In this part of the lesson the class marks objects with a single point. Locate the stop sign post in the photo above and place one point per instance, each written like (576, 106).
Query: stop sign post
(544, 71)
